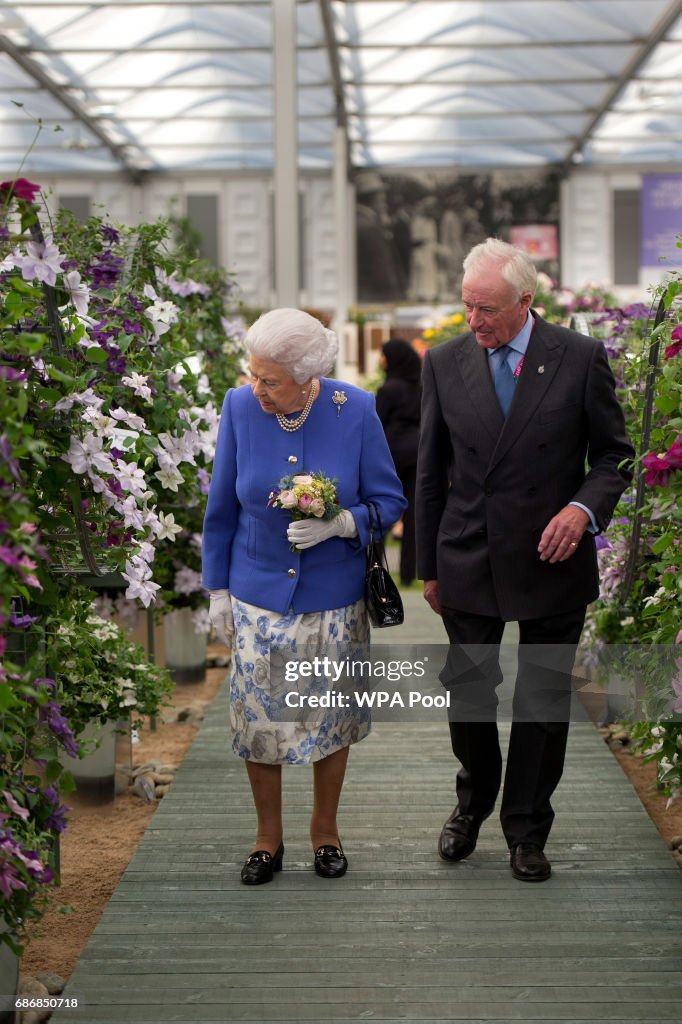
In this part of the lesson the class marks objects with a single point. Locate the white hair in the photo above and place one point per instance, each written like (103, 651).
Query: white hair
(296, 341)
(515, 265)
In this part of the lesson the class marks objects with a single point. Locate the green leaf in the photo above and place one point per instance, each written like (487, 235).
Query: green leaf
(28, 217)
(56, 374)
(667, 403)
(95, 355)
(14, 302)
(22, 403)
(662, 544)
(32, 343)
(53, 770)
(26, 288)
(673, 289)
(66, 784)
(7, 698)
(47, 394)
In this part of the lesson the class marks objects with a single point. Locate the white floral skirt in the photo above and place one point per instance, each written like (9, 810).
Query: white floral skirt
(264, 728)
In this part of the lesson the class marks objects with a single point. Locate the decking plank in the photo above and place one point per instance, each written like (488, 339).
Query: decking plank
(403, 936)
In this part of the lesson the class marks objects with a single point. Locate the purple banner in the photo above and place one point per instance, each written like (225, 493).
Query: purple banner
(661, 220)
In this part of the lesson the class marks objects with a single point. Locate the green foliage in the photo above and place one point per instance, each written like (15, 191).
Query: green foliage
(648, 615)
(115, 355)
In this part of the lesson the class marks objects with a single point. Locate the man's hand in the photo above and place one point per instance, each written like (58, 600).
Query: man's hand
(431, 595)
(562, 534)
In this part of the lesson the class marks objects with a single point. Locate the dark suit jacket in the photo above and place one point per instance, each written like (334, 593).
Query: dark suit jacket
(487, 487)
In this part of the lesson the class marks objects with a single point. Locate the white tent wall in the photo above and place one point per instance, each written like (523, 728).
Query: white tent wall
(588, 229)
(245, 229)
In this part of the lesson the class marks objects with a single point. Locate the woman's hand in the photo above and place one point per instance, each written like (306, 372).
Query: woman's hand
(220, 614)
(305, 533)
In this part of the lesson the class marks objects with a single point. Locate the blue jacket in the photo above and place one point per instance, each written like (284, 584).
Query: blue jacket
(245, 546)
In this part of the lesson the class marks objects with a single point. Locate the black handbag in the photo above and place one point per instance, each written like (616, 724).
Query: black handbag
(382, 597)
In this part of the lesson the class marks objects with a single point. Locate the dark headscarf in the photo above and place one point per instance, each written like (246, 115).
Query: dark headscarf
(402, 360)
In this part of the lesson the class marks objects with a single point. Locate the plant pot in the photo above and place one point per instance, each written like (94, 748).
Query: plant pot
(105, 772)
(185, 649)
(9, 981)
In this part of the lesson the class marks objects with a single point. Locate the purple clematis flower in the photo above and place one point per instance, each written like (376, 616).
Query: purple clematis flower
(51, 716)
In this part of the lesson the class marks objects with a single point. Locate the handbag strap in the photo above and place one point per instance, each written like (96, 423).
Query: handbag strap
(376, 552)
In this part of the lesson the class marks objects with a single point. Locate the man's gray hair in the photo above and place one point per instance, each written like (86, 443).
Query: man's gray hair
(296, 341)
(515, 265)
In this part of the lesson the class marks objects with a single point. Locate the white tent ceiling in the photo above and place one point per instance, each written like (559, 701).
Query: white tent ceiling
(185, 87)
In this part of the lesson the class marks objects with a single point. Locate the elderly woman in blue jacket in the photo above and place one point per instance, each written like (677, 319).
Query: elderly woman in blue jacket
(264, 596)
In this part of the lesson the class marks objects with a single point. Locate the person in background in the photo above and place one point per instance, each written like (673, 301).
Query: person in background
(268, 601)
(522, 459)
(398, 408)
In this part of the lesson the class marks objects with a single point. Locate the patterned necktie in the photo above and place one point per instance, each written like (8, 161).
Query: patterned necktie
(503, 378)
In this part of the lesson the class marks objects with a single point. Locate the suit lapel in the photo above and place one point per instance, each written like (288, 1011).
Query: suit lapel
(473, 366)
(542, 360)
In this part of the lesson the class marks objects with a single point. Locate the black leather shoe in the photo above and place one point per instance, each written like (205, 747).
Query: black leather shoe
(260, 866)
(529, 864)
(330, 861)
(458, 836)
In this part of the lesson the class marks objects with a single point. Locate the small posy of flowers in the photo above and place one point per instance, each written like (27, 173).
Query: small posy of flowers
(303, 495)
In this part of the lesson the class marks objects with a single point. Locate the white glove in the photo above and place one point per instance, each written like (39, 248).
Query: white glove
(306, 533)
(220, 614)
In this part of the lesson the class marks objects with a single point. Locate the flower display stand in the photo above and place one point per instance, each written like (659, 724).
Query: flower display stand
(9, 980)
(185, 649)
(105, 772)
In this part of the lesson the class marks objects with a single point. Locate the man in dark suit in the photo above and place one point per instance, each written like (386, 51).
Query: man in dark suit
(520, 465)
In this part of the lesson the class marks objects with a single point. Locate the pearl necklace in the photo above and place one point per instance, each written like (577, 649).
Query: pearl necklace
(291, 425)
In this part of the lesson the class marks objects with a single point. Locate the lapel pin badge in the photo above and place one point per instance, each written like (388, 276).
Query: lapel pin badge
(339, 398)
(541, 369)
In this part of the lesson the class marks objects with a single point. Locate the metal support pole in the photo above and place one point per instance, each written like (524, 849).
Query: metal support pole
(342, 226)
(287, 241)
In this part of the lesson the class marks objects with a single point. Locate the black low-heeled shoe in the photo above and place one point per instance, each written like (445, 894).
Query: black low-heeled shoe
(260, 866)
(330, 861)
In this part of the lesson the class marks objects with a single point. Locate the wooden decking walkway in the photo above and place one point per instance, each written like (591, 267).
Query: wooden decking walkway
(402, 936)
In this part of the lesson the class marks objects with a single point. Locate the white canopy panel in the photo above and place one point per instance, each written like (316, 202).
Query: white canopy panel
(185, 87)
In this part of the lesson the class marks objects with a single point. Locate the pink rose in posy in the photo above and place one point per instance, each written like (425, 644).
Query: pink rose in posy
(21, 188)
(304, 502)
(287, 499)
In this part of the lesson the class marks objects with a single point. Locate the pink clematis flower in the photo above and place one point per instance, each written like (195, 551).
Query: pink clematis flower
(22, 188)
(16, 808)
(676, 346)
(8, 880)
(657, 470)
